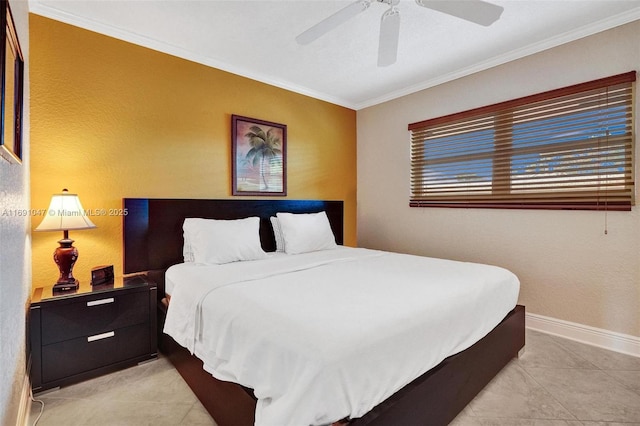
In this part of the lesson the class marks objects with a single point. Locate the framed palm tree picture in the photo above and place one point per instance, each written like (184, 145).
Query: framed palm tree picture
(259, 157)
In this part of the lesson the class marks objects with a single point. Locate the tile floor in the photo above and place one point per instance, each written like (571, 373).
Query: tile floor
(557, 382)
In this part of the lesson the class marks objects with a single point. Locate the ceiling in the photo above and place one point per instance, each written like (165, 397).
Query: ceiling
(256, 39)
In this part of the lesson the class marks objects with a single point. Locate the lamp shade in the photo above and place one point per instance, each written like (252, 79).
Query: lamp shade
(65, 213)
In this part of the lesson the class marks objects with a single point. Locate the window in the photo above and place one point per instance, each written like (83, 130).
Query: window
(571, 148)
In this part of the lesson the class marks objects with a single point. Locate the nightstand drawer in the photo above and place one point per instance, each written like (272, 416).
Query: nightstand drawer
(96, 315)
(83, 354)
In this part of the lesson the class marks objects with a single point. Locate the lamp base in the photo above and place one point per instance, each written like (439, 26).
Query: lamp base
(66, 285)
(65, 257)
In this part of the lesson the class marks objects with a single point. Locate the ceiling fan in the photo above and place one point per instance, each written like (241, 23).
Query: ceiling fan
(477, 11)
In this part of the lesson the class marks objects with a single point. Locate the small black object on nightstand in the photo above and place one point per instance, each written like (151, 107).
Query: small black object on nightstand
(102, 275)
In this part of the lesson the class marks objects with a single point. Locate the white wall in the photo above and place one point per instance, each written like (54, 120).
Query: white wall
(15, 251)
(568, 268)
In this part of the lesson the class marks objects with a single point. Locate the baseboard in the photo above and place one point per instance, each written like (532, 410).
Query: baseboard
(25, 402)
(618, 342)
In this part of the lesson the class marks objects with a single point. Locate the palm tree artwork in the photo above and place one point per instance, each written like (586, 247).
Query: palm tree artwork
(264, 150)
(259, 157)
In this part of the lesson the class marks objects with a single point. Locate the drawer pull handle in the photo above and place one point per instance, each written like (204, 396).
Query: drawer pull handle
(101, 302)
(101, 336)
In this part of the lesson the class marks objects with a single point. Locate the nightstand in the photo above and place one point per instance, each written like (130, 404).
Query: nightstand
(91, 331)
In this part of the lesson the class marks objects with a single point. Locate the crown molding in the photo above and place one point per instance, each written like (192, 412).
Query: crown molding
(567, 37)
(41, 9)
(36, 7)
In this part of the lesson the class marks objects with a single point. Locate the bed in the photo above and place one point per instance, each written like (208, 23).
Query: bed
(153, 243)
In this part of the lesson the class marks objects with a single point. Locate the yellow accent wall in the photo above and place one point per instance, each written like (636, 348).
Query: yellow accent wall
(110, 119)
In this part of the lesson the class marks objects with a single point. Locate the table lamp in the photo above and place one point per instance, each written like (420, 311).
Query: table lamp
(65, 213)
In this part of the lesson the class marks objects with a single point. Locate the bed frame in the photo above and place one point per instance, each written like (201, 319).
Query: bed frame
(153, 242)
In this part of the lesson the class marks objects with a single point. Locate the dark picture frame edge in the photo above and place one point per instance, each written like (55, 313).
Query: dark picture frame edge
(236, 122)
(12, 151)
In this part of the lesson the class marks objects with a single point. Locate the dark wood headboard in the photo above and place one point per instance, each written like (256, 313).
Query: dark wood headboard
(152, 227)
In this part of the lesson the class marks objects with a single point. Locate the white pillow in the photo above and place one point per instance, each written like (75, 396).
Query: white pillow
(222, 241)
(306, 232)
(187, 251)
(277, 233)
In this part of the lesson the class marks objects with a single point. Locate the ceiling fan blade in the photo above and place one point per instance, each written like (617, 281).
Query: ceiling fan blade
(389, 34)
(477, 11)
(333, 21)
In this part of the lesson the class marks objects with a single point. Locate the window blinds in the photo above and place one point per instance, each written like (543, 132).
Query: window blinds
(568, 148)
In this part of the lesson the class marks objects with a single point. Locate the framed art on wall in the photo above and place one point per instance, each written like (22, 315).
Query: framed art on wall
(12, 80)
(259, 157)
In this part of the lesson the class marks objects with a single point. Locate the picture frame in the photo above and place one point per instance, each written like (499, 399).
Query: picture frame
(11, 88)
(258, 157)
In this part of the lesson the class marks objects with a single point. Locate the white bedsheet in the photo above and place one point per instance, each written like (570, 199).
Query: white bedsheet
(330, 334)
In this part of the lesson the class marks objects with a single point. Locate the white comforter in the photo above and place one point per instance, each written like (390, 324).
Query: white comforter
(330, 334)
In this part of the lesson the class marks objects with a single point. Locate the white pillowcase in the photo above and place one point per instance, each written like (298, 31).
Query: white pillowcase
(187, 251)
(277, 233)
(222, 241)
(306, 232)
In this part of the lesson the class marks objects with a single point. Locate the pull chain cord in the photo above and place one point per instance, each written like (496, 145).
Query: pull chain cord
(606, 135)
